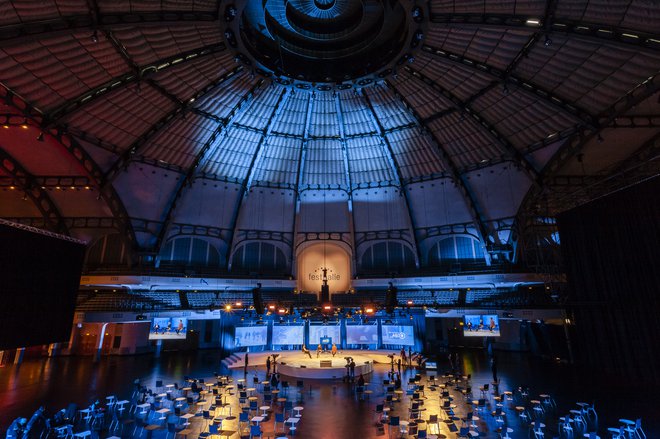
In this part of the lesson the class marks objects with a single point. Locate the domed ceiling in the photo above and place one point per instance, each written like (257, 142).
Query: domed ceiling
(290, 122)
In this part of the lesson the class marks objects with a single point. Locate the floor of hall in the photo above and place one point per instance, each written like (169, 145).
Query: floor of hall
(331, 409)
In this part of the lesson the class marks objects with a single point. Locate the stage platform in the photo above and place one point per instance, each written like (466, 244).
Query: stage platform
(298, 365)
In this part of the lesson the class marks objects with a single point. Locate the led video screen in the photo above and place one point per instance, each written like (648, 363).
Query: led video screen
(398, 335)
(288, 334)
(250, 336)
(165, 328)
(40, 281)
(316, 332)
(481, 325)
(362, 334)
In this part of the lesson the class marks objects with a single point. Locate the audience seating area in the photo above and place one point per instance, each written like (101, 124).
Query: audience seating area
(448, 405)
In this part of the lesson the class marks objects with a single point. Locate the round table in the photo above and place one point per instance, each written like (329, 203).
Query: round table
(298, 409)
(264, 410)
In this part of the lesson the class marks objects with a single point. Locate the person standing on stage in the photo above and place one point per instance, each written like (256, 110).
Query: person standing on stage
(410, 355)
(318, 350)
(246, 364)
(306, 351)
(398, 364)
(352, 369)
(334, 349)
(268, 365)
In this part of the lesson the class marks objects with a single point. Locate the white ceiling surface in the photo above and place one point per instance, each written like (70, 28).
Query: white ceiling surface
(338, 158)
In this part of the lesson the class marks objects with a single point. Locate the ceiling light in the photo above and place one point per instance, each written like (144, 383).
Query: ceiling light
(533, 21)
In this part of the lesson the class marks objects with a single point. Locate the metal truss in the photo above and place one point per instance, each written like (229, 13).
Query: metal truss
(34, 191)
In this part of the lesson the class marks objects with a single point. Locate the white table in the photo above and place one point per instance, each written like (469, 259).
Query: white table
(264, 409)
(293, 422)
(258, 419)
(298, 409)
(163, 412)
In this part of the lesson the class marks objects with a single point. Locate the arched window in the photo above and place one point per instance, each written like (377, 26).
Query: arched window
(187, 250)
(109, 250)
(455, 249)
(259, 257)
(387, 256)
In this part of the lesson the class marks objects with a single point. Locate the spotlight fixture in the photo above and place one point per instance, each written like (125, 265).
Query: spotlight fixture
(40, 137)
(95, 37)
(547, 42)
(25, 125)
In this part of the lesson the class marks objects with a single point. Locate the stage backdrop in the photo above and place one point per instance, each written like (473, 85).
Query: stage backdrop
(325, 254)
(611, 249)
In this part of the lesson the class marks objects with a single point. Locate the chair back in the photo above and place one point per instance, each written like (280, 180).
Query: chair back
(213, 429)
(379, 408)
(171, 428)
(279, 417)
(243, 417)
(463, 432)
(394, 421)
(421, 434)
(255, 430)
(433, 419)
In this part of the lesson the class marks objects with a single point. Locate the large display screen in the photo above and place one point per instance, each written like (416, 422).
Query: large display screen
(40, 281)
(399, 335)
(316, 332)
(481, 325)
(288, 334)
(250, 336)
(166, 328)
(362, 334)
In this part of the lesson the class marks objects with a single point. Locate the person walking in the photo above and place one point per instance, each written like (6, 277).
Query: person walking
(334, 349)
(318, 350)
(398, 364)
(268, 365)
(246, 364)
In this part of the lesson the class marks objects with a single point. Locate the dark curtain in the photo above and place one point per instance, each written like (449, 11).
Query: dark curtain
(611, 248)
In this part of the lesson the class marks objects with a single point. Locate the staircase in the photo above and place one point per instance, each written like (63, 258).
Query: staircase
(232, 360)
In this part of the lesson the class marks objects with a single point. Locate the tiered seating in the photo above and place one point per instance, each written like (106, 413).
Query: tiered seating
(124, 301)
(428, 297)
(359, 298)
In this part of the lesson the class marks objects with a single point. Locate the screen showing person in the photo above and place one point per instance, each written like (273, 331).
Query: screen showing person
(283, 335)
(481, 325)
(316, 332)
(250, 336)
(168, 328)
(362, 334)
(398, 335)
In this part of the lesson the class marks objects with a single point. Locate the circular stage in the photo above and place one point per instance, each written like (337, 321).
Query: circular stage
(299, 365)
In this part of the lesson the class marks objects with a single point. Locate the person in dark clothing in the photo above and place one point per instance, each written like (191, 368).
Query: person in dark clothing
(268, 365)
(360, 381)
(246, 364)
(352, 369)
(493, 368)
(398, 365)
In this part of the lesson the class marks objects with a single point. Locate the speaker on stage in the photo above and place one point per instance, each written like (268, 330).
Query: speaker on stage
(256, 299)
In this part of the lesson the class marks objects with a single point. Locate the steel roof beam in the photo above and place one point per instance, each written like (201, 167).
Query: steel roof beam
(30, 185)
(489, 129)
(180, 110)
(201, 156)
(80, 155)
(132, 77)
(476, 214)
(506, 77)
(22, 33)
(592, 31)
(245, 185)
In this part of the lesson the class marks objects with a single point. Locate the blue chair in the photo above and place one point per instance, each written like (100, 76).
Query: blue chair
(255, 431)
(393, 425)
(279, 419)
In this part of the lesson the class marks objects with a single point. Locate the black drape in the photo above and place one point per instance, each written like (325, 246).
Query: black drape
(611, 248)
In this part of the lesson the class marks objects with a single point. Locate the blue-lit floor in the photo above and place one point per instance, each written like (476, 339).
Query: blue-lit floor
(331, 410)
